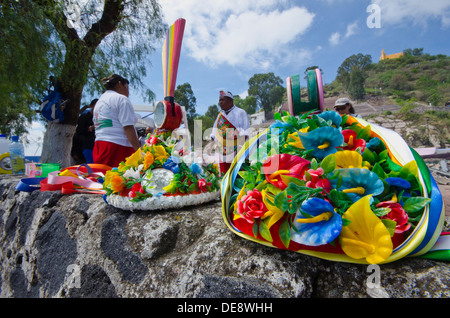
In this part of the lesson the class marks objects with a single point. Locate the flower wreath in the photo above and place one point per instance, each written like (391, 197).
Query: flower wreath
(333, 187)
(158, 174)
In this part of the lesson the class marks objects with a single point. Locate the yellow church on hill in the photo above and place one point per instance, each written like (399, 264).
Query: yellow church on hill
(389, 57)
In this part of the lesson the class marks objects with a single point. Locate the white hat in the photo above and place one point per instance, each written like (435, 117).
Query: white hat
(342, 101)
(226, 94)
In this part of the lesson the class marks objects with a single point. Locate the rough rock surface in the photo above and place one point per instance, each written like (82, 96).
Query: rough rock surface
(55, 245)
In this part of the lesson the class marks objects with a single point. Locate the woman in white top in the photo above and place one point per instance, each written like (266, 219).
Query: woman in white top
(114, 119)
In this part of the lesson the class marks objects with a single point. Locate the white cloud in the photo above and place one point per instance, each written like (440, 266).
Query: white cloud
(415, 11)
(239, 33)
(351, 29)
(334, 38)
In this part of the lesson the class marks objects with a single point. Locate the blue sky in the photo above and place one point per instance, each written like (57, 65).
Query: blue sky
(228, 41)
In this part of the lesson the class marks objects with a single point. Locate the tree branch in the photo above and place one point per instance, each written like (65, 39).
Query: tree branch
(112, 15)
(56, 15)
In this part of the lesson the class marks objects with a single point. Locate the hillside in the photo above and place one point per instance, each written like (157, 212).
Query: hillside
(408, 95)
(423, 78)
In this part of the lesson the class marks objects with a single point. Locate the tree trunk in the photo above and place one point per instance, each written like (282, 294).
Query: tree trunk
(57, 144)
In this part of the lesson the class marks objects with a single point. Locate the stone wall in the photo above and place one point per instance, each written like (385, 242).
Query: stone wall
(55, 245)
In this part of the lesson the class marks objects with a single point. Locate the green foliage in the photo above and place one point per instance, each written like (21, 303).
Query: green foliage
(415, 75)
(184, 96)
(360, 61)
(24, 64)
(248, 103)
(37, 42)
(356, 85)
(267, 89)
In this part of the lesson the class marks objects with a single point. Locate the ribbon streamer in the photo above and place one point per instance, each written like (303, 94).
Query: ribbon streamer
(171, 55)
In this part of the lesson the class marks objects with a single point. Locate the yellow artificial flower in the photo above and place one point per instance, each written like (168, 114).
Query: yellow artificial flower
(274, 212)
(159, 153)
(109, 174)
(348, 159)
(366, 236)
(240, 195)
(134, 159)
(294, 140)
(148, 160)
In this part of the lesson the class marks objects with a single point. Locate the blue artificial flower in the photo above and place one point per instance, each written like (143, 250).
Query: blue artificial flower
(335, 118)
(281, 126)
(359, 182)
(373, 143)
(398, 183)
(316, 223)
(323, 141)
(172, 164)
(195, 168)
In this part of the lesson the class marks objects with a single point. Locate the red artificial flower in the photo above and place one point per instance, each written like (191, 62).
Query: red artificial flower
(397, 214)
(152, 140)
(251, 206)
(202, 185)
(277, 167)
(351, 140)
(314, 179)
(137, 187)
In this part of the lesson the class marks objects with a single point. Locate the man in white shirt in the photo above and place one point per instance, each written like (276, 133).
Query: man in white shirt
(230, 129)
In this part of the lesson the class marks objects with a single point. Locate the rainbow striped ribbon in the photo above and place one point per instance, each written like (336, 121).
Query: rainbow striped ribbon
(171, 55)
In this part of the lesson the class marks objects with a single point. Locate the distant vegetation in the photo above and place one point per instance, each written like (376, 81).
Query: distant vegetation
(416, 76)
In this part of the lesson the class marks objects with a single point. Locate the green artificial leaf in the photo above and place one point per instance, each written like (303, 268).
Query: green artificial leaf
(285, 233)
(294, 208)
(281, 201)
(345, 222)
(192, 187)
(381, 211)
(247, 176)
(314, 165)
(328, 163)
(344, 120)
(369, 156)
(392, 165)
(272, 189)
(264, 231)
(277, 116)
(255, 229)
(364, 133)
(288, 180)
(390, 225)
(379, 171)
(339, 183)
(383, 155)
(415, 204)
(312, 124)
(408, 170)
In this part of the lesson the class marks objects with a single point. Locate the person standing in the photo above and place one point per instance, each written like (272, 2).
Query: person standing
(230, 129)
(343, 106)
(85, 132)
(114, 119)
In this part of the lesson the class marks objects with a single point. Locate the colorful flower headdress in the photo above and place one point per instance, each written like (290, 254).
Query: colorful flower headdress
(161, 168)
(333, 187)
